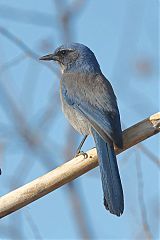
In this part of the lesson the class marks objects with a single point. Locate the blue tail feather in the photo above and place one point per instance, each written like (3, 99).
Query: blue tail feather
(111, 183)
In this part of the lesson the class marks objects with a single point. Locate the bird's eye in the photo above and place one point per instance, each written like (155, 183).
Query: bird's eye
(63, 52)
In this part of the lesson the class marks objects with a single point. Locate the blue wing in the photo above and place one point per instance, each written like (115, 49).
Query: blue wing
(98, 105)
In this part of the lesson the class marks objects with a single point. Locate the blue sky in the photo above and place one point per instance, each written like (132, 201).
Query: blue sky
(124, 37)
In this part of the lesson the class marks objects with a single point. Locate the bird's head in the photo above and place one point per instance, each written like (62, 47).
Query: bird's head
(74, 57)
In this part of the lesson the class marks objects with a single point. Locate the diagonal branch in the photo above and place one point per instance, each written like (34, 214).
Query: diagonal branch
(74, 168)
(27, 16)
(22, 45)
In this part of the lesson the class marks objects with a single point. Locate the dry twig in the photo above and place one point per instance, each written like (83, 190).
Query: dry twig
(143, 209)
(73, 169)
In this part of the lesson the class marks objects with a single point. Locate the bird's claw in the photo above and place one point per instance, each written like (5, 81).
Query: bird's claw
(85, 155)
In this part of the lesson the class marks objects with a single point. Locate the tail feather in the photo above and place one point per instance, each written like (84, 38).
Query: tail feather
(111, 183)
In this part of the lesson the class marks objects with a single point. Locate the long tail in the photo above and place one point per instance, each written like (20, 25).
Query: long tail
(111, 182)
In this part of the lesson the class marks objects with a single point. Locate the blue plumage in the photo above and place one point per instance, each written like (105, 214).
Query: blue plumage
(89, 103)
(111, 183)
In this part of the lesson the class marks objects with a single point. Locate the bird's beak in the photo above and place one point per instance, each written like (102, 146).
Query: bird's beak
(49, 57)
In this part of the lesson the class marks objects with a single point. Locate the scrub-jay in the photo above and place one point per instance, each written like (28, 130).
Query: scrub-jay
(89, 103)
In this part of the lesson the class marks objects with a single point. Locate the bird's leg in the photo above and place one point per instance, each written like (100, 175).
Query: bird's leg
(79, 152)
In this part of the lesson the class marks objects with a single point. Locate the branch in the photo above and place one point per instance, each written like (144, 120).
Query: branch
(27, 50)
(27, 16)
(74, 168)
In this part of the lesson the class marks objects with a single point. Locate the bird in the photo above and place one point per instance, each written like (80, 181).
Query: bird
(89, 103)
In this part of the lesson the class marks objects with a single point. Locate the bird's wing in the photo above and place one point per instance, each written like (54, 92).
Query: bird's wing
(92, 95)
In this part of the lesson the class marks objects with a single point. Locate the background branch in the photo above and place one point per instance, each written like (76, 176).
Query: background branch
(73, 169)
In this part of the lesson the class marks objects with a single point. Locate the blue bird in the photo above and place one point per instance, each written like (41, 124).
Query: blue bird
(89, 103)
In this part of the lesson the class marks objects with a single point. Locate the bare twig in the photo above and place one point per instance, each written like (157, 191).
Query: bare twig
(33, 226)
(14, 61)
(67, 15)
(83, 223)
(24, 47)
(27, 16)
(143, 209)
(149, 154)
(77, 200)
(73, 169)
(18, 42)
(33, 139)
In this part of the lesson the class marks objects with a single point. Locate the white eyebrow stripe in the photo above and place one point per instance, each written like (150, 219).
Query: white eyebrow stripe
(65, 49)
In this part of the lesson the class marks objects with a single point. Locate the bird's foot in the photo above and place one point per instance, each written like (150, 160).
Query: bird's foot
(79, 153)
